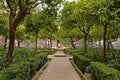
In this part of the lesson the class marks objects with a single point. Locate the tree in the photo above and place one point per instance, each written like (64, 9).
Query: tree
(34, 23)
(51, 9)
(4, 21)
(106, 11)
(68, 22)
(20, 34)
(112, 33)
(96, 34)
(17, 11)
(47, 36)
(84, 19)
(73, 35)
(4, 27)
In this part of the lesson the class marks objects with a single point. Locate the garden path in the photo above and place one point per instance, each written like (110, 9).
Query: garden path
(60, 68)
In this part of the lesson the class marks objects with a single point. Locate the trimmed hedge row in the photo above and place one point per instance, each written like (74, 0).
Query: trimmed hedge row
(21, 54)
(49, 50)
(72, 51)
(24, 69)
(103, 72)
(100, 71)
(113, 57)
(81, 61)
(2, 60)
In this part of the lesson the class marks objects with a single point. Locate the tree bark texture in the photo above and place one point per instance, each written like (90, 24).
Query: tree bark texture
(12, 30)
(85, 42)
(72, 43)
(51, 43)
(104, 44)
(5, 43)
(15, 18)
(36, 37)
(19, 43)
(58, 41)
(45, 42)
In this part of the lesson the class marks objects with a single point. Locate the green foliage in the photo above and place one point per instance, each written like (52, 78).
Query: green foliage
(81, 61)
(34, 23)
(74, 51)
(20, 32)
(68, 18)
(113, 59)
(99, 70)
(65, 41)
(95, 55)
(24, 69)
(103, 72)
(24, 64)
(96, 33)
(4, 24)
(113, 30)
(21, 54)
(2, 59)
(48, 50)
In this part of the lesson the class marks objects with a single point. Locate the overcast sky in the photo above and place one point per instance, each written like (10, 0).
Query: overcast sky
(70, 0)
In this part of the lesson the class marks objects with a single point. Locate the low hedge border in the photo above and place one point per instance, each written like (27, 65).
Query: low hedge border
(24, 69)
(103, 72)
(99, 70)
(81, 61)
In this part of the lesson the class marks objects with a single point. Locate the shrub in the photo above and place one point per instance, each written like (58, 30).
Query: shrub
(94, 55)
(81, 61)
(103, 72)
(49, 50)
(20, 54)
(114, 59)
(72, 51)
(23, 69)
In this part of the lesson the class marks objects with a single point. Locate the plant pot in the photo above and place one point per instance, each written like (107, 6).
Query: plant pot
(88, 76)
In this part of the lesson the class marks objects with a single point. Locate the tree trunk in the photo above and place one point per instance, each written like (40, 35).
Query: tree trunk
(85, 42)
(36, 36)
(100, 44)
(15, 17)
(58, 42)
(11, 41)
(72, 43)
(51, 43)
(108, 45)
(92, 43)
(19, 42)
(5, 43)
(45, 42)
(104, 44)
(48, 44)
(111, 45)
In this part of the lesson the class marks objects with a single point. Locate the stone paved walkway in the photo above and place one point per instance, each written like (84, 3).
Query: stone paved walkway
(60, 68)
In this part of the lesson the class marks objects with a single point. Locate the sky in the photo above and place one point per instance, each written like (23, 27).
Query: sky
(70, 0)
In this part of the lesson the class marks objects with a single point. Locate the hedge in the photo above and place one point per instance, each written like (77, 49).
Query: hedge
(103, 72)
(73, 51)
(24, 69)
(100, 71)
(81, 61)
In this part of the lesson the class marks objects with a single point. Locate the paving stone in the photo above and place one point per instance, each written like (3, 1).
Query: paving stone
(60, 68)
